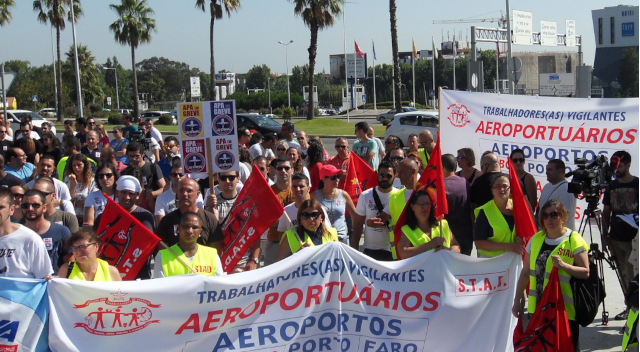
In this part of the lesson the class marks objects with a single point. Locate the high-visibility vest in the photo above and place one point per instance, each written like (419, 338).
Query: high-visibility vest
(424, 156)
(417, 237)
(565, 250)
(397, 203)
(630, 337)
(204, 261)
(501, 231)
(295, 243)
(102, 272)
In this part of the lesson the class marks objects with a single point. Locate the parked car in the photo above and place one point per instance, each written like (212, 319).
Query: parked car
(386, 117)
(155, 115)
(260, 123)
(15, 116)
(406, 123)
(47, 112)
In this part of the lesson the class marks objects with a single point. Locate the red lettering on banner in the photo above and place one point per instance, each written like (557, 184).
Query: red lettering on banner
(210, 320)
(193, 323)
(230, 316)
(313, 293)
(432, 302)
(481, 284)
(383, 297)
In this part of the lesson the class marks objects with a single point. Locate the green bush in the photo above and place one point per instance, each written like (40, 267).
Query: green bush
(165, 119)
(114, 118)
(287, 113)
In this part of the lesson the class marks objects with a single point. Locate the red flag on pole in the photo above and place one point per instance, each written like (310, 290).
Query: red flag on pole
(525, 227)
(548, 329)
(433, 181)
(360, 177)
(254, 210)
(124, 242)
(359, 53)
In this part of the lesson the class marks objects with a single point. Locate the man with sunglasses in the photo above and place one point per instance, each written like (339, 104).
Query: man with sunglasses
(282, 189)
(341, 159)
(6, 141)
(480, 191)
(171, 148)
(45, 168)
(166, 202)
(91, 124)
(150, 173)
(557, 189)
(263, 165)
(54, 236)
(426, 143)
(67, 219)
(22, 252)
(370, 205)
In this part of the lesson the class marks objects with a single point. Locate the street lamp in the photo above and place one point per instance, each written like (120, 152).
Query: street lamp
(286, 58)
(116, 74)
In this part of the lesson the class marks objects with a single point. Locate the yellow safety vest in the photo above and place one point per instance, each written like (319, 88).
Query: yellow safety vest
(102, 272)
(424, 156)
(397, 203)
(62, 164)
(417, 237)
(204, 262)
(295, 243)
(565, 250)
(631, 330)
(501, 231)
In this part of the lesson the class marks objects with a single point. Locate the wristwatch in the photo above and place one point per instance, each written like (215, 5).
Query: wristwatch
(255, 260)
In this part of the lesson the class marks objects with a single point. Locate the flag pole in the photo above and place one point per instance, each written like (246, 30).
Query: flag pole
(433, 74)
(454, 62)
(413, 69)
(355, 78)
(374, 76)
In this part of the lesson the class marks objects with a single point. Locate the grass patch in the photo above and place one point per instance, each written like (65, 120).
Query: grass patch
(330, 126)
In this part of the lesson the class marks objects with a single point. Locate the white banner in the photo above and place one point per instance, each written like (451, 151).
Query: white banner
(326, 298)
(23, 315)
(544, 127)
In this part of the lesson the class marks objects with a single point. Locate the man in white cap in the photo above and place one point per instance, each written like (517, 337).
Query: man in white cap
(127, 191)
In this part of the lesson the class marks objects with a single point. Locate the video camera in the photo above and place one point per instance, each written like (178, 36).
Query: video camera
(141, 138)
(592, 178)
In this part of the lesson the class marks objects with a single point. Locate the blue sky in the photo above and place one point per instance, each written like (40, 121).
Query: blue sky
(250, 37)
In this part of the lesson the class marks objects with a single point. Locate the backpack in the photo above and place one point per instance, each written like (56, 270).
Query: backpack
(588, 293)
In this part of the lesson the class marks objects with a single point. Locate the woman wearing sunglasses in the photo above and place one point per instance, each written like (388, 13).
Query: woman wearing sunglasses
(310, 231)
(466, 161)
(87, 267)
(554, 246)
(422, 231)
(106, 177)
(527, 180)
(79, 178)
(495, 231)
(334, 201)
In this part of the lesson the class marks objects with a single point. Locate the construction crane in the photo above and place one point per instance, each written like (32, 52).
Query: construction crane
(501, 20)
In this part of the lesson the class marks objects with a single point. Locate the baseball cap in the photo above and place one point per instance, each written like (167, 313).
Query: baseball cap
(328, 171)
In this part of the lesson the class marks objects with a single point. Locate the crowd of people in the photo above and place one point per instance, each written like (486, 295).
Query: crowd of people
(52, 201)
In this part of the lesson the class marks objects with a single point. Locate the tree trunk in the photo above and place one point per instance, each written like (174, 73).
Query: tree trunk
(136, 101)
(212, 85)
(59, 112)
(396, 60)
(313, 47)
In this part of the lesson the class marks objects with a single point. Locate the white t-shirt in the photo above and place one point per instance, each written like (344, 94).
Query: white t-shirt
(61, 189)
(155, 133)
(32, 134)
(257, 150)
(559, 192)
(158, 273)
(98, 201)
(24, 255)
(293, 143)
(166, 202)
(292, 211)
(374, 238)
(243, 172)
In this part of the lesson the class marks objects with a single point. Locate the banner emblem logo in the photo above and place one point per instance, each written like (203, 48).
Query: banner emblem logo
(116, 315)
(458, 114)
(222, 125)
(192, 127)
(225, 160)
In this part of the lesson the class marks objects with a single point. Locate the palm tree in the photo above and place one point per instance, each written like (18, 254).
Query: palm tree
(89, 74)
(397, 84)
(317, 15)
(133, 27)
(216, 7)
(5, 11)
(53, 11)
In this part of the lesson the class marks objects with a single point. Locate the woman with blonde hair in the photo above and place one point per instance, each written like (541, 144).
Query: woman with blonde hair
(79, 178)
(87, 266)
(102, 135)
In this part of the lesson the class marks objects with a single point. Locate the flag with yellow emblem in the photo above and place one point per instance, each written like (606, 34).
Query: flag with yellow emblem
(360, 177)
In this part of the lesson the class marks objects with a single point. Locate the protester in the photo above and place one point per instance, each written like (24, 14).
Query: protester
(51, 145)
(288, 134)
(45, 184)
(81, 130)
(264, 147)
(151, 175)
(423, 231)
(79, 179)
(28, 257)
(426, 143)
(300, 189)
(46, 167)
(87, 266)
(311, 230)
(103, 137)
(303, 139)
(315, 160)
(396, 156)
(298, 166)
(166, 202)
(282, 190)
(68, 129)
(29, 144)
(95, 203)
(129, 127)
(389, 144)
(281, 148)
(6, 141)
(155, 133)
(371, 203)
(108, 155)
(17, 165)
(187, 256)
(119, 145)
(557, 189)
(495, 231)
(413, 144)
(53, 235)
(341, 159)
(71, 146)
(91, 149)
(381, 149)
(480, 192)
(334, 201)
(408, 175)
(171, 152)
(554, 246)
(367, 149)
(244, 136)
(6, 179)
(527, 181)
(17, 192)
(91, 124)
(459, 217)
(261, 163)
(467, 160)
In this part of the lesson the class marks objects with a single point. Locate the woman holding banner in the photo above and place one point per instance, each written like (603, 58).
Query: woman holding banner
(423, 232)
(311, 230)
(187, 256)
(554, 246)
(495, 231)
(87, 266)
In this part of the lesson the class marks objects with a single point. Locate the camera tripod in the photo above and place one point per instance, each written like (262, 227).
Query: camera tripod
(591, 212)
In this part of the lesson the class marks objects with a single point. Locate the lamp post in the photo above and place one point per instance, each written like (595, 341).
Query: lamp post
(115, 72)
(77, 65)
(286, 58)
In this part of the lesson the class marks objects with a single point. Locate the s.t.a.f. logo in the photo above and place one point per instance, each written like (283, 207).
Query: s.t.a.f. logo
(458, 114)
(115, 315)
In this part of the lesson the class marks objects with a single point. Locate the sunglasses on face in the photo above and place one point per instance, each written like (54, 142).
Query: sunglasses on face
(517, 160)
(460, 158)
(30, 205)
(227, 178)
(177, 174)
(281, 150)
(285, 168)
(341, 146)
(551, 215)
(396, 158)
(389, 142)
(387, 176)
(106, 174)
(306, 216)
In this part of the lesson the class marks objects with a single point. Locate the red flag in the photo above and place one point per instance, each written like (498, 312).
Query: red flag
(359, 53)
(360, 177)
(254, 210)
(433, 181)
(525, 227)
(119, 246)
(548, 329)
